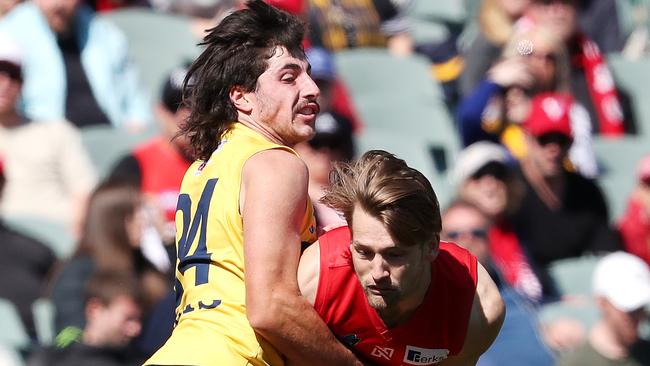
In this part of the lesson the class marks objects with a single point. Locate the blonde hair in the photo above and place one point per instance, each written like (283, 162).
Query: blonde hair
(388, 189)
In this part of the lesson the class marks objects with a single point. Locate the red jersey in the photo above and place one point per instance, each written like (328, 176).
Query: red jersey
(436, 330)
(162, 169)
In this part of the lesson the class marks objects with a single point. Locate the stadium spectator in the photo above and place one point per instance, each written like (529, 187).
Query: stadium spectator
(113, 311)
(590, 79)
(337, 25)
(25, 265)
(562, 214)
(76, 66)
(157, 166)
(251, 100)
(332, 142)
(634, 226)
(621, 285)
(496, 19)
(48, 172)
(111, 240)
(484, 176)
(519, 342)
(379, 284)
(500, 103)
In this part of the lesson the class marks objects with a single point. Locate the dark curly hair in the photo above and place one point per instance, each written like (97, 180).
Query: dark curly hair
(236, 54)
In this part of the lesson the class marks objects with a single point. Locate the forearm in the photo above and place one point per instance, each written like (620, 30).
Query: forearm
(294, 328)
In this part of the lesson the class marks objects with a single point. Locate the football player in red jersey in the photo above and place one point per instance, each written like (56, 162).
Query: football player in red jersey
(387, 286)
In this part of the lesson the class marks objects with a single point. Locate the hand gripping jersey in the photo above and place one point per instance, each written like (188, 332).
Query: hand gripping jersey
(212, 328)
(436, 330)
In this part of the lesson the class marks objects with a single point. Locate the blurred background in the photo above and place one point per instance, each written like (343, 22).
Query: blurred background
(530, 118)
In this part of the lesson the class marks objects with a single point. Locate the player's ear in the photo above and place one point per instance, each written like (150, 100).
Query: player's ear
(241, 99)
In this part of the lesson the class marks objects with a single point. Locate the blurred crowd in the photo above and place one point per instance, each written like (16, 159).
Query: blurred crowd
(529, 91)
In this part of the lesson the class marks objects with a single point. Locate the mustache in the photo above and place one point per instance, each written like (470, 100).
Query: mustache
(308, 103)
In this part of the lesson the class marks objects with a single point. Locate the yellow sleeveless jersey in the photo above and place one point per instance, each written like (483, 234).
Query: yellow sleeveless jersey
(212, 328)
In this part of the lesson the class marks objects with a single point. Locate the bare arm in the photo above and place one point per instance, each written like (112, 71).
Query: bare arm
(488, 312)
(274, 198)
(309, 272)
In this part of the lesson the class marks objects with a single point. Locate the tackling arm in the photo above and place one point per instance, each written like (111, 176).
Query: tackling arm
(273, 201)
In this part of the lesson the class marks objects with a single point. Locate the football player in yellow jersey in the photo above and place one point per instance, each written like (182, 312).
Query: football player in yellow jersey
(243, 209)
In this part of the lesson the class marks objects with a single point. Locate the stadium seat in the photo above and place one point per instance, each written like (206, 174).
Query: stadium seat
(43, 311)
(446, 11)
(399, 102)
(158, 42)
(617, 160)
(106, 145)
(418, 152)
(585, 311)
(52, 233)
(572, 276)
(13, 334)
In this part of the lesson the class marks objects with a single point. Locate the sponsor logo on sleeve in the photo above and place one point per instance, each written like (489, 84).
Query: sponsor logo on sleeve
(382, 352)
(424, 356)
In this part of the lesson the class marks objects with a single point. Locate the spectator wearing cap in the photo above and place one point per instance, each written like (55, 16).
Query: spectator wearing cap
(47, 170)
(562, 214)
(76, 66)
(333, 141)
(498, 106)
(591, 81)
(158, 165)
(634, 226)
(519, 341)
(621, 286)
(484, 177)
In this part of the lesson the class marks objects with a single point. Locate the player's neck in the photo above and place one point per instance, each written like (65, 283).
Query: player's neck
(263, 130)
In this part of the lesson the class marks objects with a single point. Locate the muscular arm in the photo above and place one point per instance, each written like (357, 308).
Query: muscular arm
(488, 312)
(273, 202)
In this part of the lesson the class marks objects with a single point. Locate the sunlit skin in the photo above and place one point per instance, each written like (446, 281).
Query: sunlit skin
(284, 104)
(59, 13)
(394, 277)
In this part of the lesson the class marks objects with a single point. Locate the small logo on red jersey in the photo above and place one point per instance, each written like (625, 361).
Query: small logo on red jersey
(382, 352)
(424, 356)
